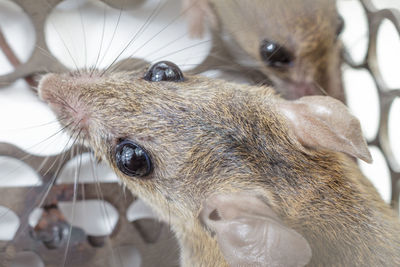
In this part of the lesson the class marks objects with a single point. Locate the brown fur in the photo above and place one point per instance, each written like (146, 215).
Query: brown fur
(208, 136)
(307, 28)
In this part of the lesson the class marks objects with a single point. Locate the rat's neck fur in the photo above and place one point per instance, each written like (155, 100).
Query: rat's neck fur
(343, 219)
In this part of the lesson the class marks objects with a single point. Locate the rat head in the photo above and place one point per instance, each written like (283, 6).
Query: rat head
(175, 141)
(169, 137)
(293, 42)
(155, 128)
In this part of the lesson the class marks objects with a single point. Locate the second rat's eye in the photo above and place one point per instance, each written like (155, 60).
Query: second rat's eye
(275, 55)
(132, 160)
(164, 71)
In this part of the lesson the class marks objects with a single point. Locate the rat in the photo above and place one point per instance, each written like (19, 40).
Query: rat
(243, 176)
(293, 43)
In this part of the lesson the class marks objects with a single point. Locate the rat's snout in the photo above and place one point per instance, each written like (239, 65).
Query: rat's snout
(46, 87)
(53, 89)
(63, 95)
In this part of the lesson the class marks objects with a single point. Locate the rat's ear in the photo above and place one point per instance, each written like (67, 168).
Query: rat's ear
(249, 233)
(324, 122)
(197, 13)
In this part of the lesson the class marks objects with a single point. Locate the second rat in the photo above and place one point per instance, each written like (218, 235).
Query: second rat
(294, 43)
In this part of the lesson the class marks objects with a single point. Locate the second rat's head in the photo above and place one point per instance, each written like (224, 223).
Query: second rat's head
(293, 42)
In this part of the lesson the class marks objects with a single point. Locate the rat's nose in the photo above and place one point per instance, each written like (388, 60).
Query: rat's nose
(52, 88)
(63, 94)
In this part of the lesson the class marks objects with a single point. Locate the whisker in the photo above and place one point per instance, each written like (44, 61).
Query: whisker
(44, 163)
(63, 101)
(53, 180)
(75, 192)
(148, 20)
(319, 87)
(51, 136)
(172, 53)
(103, 207)
(180, 50)
(84, 36)
(32, 127)
(65, 45)
(162, 29)
(114, 33)
(26, 157)
(101, 42)
(24, 217)
(46, 53)
(165, 46)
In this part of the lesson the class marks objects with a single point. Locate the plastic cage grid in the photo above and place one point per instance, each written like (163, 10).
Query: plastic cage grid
(148, 236)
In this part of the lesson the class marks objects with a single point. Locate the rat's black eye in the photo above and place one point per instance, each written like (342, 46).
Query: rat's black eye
(275, 55)
(132, 160)
(164, 71)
